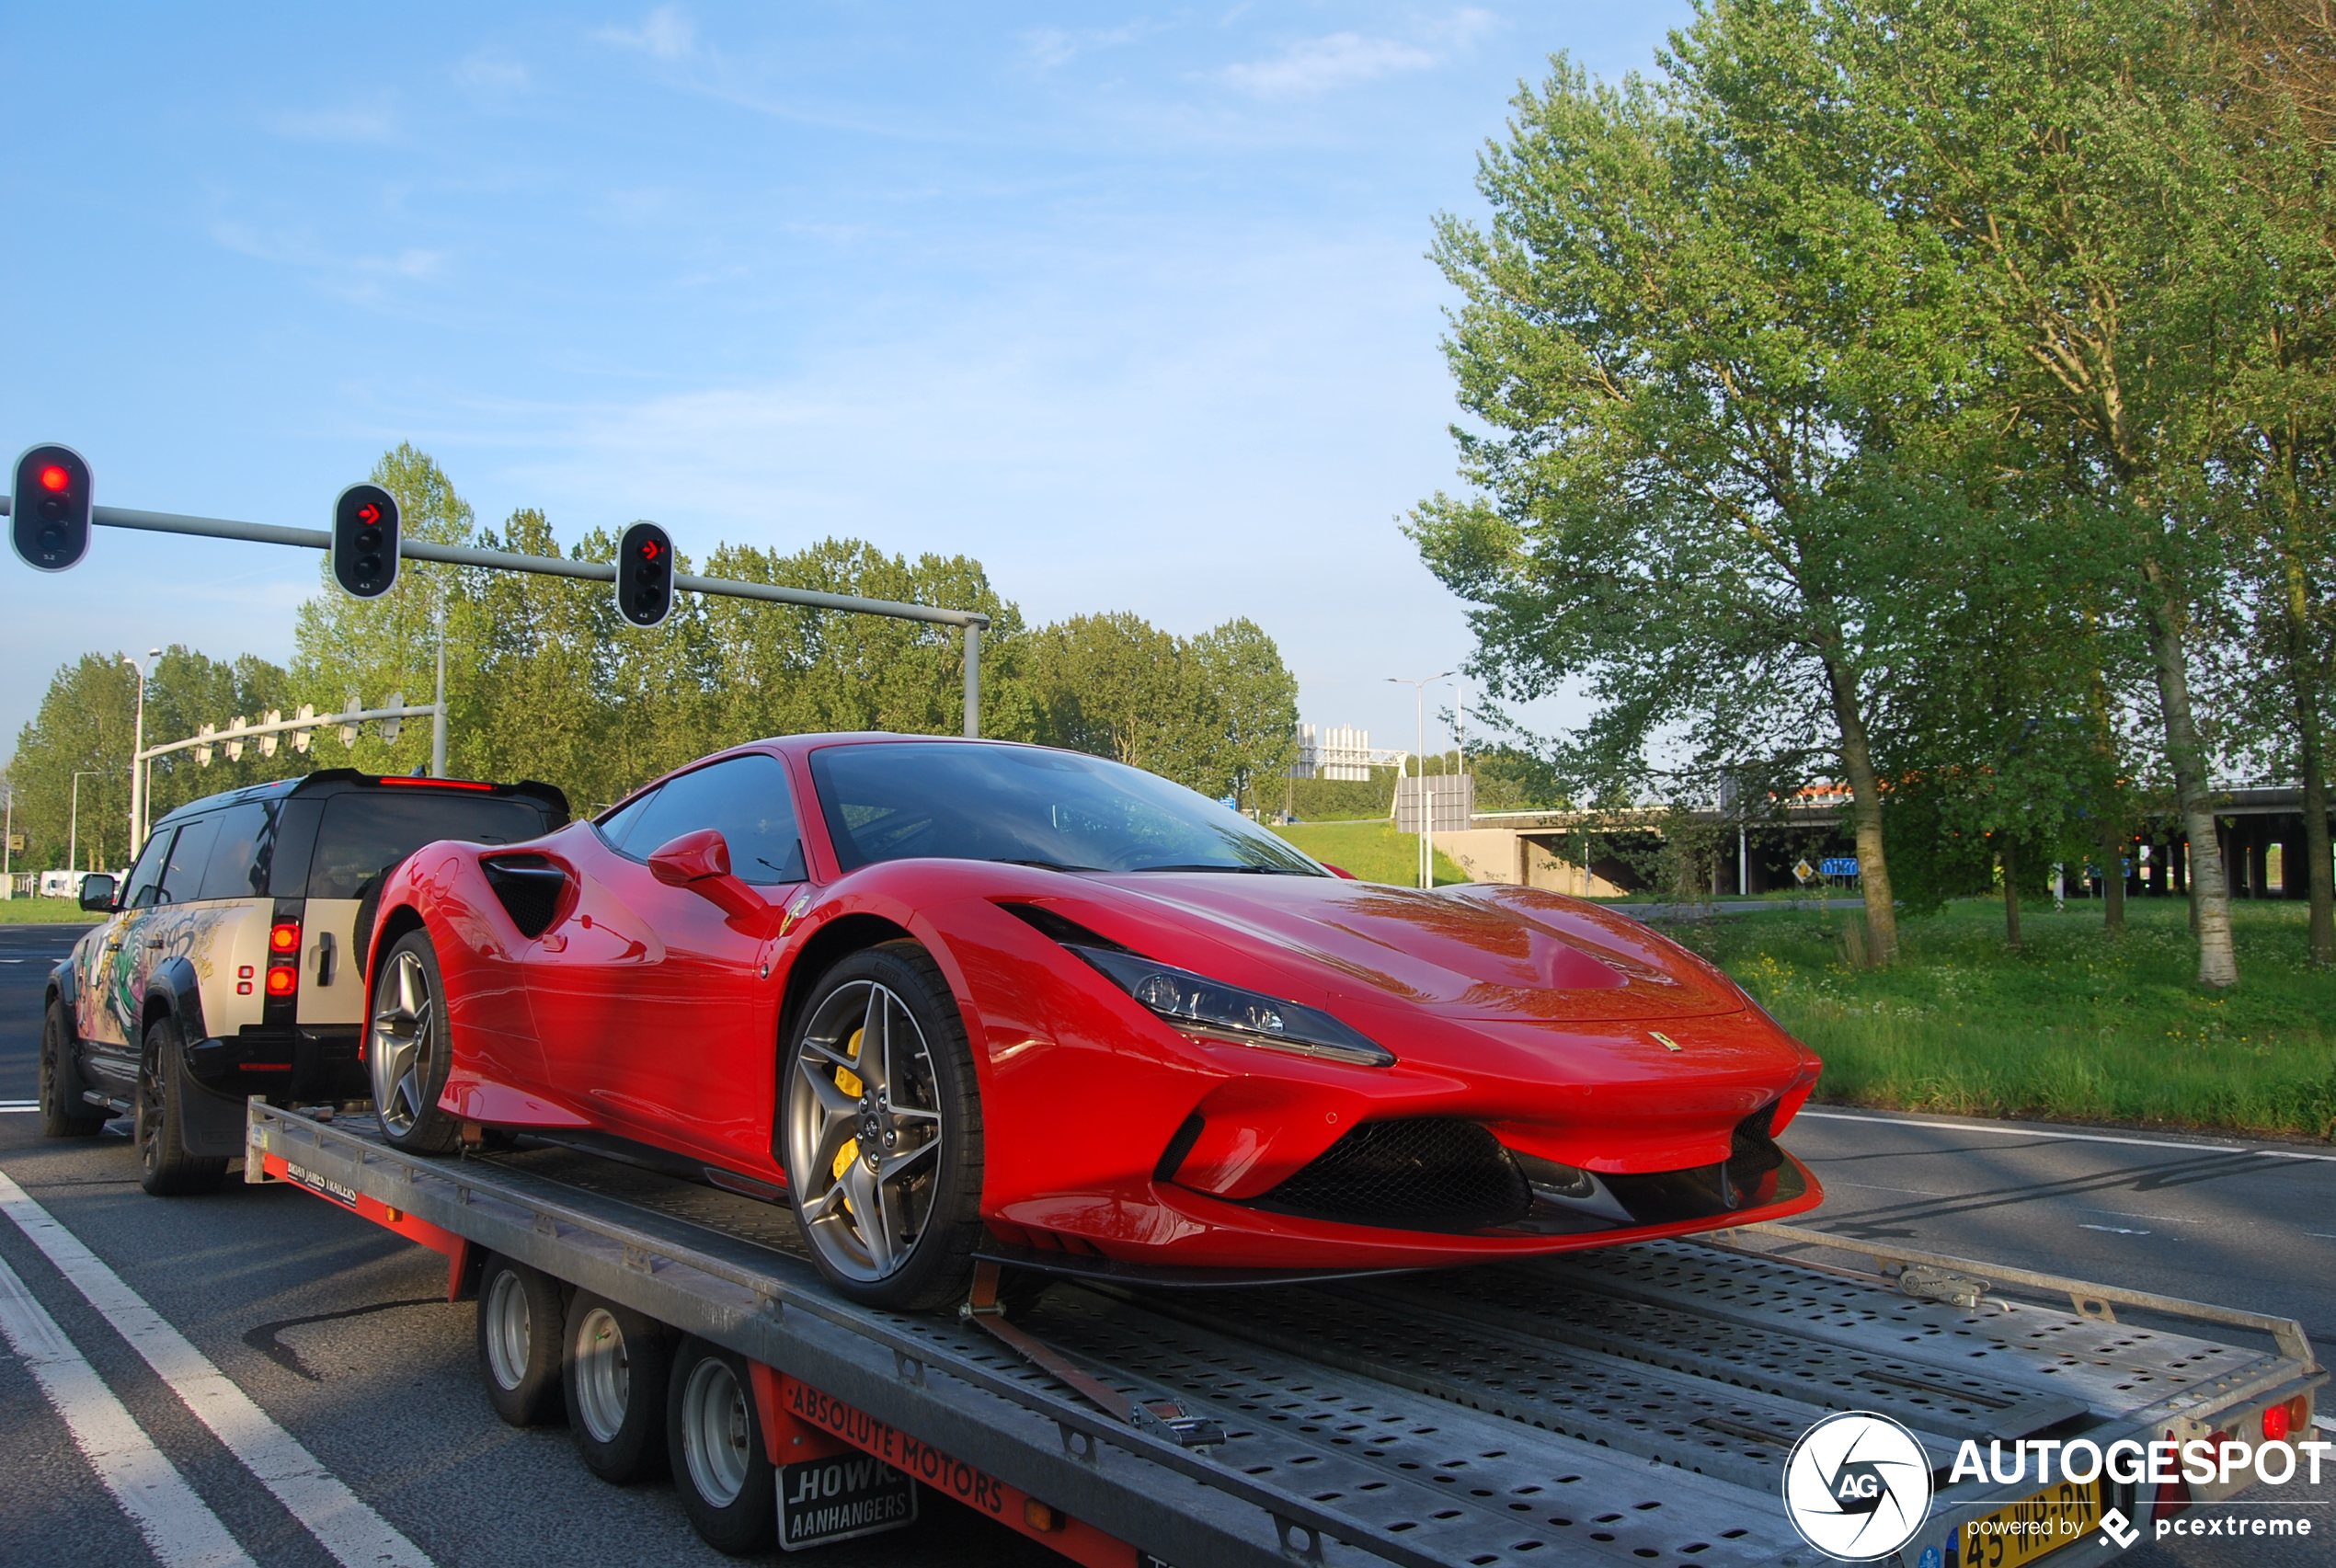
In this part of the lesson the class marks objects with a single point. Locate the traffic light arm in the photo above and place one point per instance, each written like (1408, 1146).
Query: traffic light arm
(973, 621)
(283, 726)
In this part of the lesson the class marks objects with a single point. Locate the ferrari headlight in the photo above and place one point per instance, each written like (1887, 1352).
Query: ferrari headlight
(1202, 1006)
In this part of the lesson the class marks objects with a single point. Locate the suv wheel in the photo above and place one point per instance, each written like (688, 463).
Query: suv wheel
(59, 1119)
(166, 1169)
(405, 1048)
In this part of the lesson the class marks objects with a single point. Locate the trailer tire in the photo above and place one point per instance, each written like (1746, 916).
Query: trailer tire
(614, 1364)
(164, 1168)
(519, 1325)
(720, 1459)
(59, 1118)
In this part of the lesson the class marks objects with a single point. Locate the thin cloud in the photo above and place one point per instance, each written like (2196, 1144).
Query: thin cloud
(353, 122)
(1316, 65)
(361, 278)
(492, 75)
(664, 34)
(1050, 48)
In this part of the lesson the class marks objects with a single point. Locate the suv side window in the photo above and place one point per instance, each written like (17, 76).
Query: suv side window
(182, 874)
(145, 878)
(239, 858)
(746, 799)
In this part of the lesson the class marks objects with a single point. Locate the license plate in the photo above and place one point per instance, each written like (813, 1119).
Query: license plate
(835, 1499)
(2019, 1533)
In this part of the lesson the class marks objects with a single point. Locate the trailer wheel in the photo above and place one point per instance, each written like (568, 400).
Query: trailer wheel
(407, 1049)
(721, 1462)
(164, 1168)
(59, 1119)
(880, 1118)
(518, 1343)
(614, 1364)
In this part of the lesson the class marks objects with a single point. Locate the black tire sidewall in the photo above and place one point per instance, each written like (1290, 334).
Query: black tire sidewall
(940, 1263)
(166, 1169)
(749, 1523)
(58, 1119)
(637, 1451)
(434, 1132)
(541, 1397)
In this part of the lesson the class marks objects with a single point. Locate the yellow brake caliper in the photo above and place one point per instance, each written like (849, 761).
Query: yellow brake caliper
(848, 1081)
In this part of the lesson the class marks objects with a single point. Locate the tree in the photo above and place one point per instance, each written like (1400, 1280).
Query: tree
(2072, 165)
(1255, 702)
(84, 725)
(1691, 331)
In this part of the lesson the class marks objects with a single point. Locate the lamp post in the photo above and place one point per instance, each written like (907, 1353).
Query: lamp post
(1427, 819)
(138, 744)
(73, 849)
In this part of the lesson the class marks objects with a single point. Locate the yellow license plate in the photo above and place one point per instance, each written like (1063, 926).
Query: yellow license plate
(2019, 1533)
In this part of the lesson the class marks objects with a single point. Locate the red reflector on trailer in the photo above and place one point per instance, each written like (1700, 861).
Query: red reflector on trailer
(2276, 1423)
(282, 983)
(437, 784)
(284, 938)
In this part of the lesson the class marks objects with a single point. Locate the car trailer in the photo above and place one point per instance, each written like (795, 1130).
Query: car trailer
(1630, 1405)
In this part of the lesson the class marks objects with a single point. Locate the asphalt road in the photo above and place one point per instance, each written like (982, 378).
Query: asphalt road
(339, 1331)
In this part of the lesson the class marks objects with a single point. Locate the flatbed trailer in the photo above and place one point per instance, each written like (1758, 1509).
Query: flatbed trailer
(1632, 1405)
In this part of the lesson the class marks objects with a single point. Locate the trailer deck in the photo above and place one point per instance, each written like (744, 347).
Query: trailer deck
(1630, 1405)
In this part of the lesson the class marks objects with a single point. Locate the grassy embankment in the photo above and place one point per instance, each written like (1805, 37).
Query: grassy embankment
(43, 911)
(1372, 849)
(2077, 1026)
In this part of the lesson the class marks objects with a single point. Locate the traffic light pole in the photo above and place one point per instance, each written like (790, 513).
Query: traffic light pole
(971, 621)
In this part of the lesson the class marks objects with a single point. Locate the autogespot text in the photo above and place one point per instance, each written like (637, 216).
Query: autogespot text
(2197, 1463)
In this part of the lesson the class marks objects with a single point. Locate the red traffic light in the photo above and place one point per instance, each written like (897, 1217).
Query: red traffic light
(369, 513)
(54, 478)
(650, 549)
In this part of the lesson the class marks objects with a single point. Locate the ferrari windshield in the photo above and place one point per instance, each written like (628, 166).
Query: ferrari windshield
(951, 801)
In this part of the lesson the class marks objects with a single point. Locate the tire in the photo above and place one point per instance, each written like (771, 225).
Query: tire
(407, 1049)
(720, 1458)
(59, 1119)
(927, 1190)
(614, 1364)
(519, 1324)
(166, 1169)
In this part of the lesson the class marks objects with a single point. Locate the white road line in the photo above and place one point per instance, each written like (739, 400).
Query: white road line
(2030, 1129)
(177, 1525)
(341, 1521)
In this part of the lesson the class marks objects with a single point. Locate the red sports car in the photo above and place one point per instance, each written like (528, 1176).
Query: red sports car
(961, 999)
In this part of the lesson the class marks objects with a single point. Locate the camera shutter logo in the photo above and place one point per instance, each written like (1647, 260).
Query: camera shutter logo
(1856, 1486)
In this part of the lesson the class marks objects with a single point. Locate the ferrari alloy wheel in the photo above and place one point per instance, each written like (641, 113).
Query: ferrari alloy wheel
(405, 1049)
(882, 1128)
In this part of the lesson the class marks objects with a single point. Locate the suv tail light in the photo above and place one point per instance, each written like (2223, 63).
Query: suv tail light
(283, 958)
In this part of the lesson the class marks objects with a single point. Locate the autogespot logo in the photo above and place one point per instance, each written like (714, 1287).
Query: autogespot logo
(1858, 1486)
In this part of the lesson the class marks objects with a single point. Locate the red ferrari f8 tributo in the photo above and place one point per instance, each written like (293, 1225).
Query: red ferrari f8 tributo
(963, 999)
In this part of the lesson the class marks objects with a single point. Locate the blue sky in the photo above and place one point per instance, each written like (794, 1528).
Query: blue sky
(1131, 304)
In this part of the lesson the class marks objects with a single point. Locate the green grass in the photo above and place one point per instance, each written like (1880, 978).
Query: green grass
(2075, 1028)
(1371, 849)
(39, 911)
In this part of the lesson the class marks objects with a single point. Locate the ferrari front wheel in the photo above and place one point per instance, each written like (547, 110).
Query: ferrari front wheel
(405, 1049)
(880, 1121)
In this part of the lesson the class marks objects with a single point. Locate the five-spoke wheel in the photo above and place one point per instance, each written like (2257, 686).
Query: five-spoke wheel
(405, 1049)
(881, 1129)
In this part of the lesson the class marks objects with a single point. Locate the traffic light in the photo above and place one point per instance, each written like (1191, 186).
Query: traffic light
(645, 575)
(48, 512)
(365, 541)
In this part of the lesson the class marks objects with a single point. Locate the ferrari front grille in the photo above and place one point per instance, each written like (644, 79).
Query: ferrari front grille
(1420, 1174)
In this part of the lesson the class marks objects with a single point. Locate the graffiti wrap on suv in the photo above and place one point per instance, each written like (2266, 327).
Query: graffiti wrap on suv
(148, 939)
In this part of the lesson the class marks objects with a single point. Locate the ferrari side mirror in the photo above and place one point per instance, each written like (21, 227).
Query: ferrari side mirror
(97, 892)
(1338, 871)
(701, 862)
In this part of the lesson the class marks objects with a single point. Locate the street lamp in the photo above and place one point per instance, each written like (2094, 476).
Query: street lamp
(138, 744)
(72, 852)
(1427, 822)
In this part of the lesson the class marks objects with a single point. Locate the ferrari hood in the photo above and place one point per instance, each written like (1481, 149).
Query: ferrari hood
(1474, 952)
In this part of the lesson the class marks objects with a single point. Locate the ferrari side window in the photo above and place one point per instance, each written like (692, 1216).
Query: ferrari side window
(746, 799)
(145, 878)
(617, 824)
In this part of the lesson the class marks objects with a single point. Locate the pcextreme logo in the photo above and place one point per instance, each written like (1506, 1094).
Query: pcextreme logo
(1856, 1486)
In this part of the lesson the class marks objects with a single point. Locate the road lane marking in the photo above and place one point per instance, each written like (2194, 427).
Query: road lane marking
(8, 1106)
(178, 1527)
(2030, 1129)
(2114, 1229)
(341, 1521)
